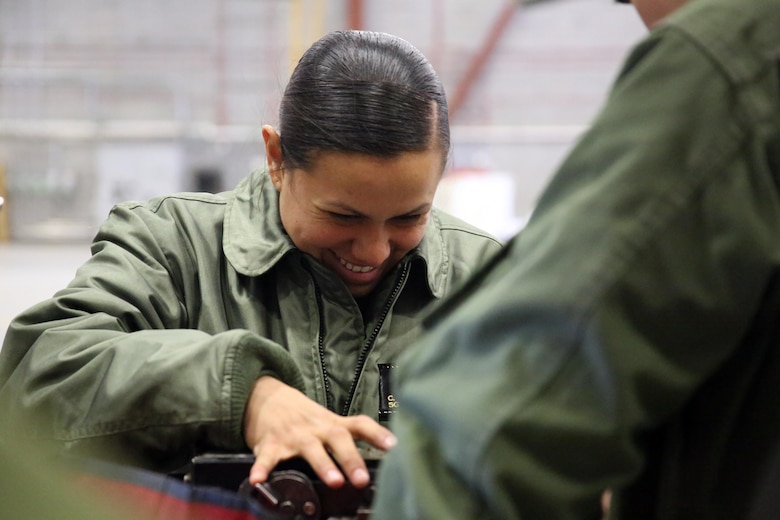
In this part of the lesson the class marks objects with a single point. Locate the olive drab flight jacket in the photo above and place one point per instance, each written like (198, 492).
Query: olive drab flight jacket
(188, 299)
(629, 339)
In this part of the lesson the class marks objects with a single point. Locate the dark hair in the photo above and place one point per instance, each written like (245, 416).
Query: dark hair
(363, 92)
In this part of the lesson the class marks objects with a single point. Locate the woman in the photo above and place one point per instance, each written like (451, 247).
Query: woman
(261, 317)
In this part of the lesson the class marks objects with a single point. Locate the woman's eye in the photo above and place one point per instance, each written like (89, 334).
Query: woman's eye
(409, 218)
(342, 216)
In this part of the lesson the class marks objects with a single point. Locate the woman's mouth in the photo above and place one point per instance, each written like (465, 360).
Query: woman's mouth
(356, 268)
(360, 279)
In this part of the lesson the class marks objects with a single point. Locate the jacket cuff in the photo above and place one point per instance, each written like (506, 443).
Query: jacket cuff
(251, 358)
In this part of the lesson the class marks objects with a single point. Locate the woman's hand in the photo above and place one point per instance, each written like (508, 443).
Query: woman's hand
(280, 423)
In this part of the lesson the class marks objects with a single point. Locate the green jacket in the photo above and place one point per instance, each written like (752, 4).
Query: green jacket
(629, 338)
(186, 301)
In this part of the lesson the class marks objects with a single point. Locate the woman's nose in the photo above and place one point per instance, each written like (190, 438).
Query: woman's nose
(371, 246)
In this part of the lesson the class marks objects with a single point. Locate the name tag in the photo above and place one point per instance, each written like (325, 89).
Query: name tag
(387, 403)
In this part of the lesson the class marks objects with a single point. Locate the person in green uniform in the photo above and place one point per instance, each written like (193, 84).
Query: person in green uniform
(629, 337)
(261, 318)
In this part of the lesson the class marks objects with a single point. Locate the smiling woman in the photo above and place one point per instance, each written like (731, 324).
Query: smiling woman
(358, 215)
(258, 319)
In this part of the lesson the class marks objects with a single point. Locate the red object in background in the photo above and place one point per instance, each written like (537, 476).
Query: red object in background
(141, 494)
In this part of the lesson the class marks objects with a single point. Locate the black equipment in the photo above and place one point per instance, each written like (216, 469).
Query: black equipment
(293, 491)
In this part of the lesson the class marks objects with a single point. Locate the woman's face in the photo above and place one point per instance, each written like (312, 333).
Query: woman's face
(357, 214)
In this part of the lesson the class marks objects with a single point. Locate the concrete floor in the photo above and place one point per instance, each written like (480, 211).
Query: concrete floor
(31, 272)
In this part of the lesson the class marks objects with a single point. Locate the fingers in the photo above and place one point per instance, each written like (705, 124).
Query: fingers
(316, 448)
(342, 446)
(259, 472)
(365, 428)
(265, 460)
(281, 423)
(341, 442)
(322, 464)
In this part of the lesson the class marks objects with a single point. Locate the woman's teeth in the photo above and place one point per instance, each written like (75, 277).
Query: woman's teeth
(355, 268)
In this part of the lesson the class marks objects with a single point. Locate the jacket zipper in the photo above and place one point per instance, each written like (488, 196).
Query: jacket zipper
(370, 341)
(366, 346)
(321, 346)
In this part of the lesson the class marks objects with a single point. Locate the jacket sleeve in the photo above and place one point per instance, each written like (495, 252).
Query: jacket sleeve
(637, 276)
(110, 361)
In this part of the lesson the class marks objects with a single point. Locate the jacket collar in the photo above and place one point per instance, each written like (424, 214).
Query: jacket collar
(254, 239)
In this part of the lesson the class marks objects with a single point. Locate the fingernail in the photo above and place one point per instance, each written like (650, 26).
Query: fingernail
(390, 441)
(360, 476)
(256, 477)
(333, 476)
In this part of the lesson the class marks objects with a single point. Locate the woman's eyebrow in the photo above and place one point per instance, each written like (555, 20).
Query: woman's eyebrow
(330, 206)
(422, 207)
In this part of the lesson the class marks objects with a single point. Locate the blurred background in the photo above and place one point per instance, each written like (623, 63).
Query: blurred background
(110, 100)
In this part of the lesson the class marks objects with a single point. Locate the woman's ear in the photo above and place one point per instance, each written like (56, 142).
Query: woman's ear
(273, 154)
